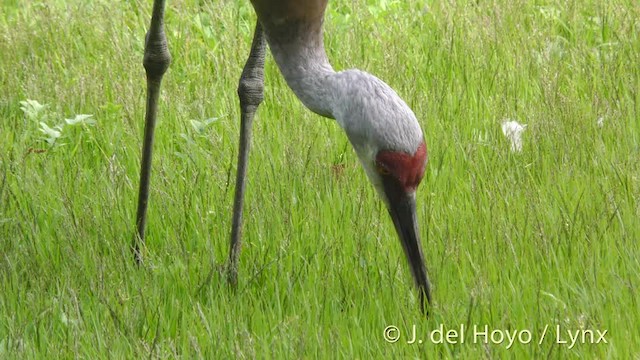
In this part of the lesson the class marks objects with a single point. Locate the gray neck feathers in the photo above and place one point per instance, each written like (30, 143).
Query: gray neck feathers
(305, 67)
(371, 113)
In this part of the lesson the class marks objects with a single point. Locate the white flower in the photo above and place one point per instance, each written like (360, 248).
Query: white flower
(81, 118)
(52, 133)
(513, 131)
(600, 121)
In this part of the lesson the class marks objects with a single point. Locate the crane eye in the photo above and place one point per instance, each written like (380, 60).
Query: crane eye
(382, 170)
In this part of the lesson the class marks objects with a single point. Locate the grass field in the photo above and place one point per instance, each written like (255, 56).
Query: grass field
(526, 242)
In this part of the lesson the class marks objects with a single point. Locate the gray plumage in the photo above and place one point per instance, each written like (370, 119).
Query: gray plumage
(371, 113)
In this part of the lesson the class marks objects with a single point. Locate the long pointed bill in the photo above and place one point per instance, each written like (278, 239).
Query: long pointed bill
(402, 208)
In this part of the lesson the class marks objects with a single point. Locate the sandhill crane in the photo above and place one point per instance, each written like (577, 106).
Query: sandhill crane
(381, 127)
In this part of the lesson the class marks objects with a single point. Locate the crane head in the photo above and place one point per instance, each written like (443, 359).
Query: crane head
(396, 175)
(389, 142)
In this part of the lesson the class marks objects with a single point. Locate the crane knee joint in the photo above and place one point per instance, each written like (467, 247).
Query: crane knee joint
(156, 56)
(250, 91)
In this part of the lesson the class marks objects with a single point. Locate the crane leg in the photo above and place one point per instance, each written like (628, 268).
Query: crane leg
(251, 94)
(156, 62)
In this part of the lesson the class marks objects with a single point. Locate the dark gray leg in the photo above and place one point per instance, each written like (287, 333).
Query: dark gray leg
(251, 93)
(156, 61)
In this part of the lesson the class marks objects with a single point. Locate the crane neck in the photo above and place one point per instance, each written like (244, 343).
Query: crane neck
(364, 106)
(303, 62)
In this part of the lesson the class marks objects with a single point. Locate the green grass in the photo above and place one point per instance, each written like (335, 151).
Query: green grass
(514, 241)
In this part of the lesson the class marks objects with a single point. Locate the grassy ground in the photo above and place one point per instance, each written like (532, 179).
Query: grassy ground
(514, 241)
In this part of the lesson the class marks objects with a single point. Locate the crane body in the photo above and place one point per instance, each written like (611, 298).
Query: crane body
(382, 129)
